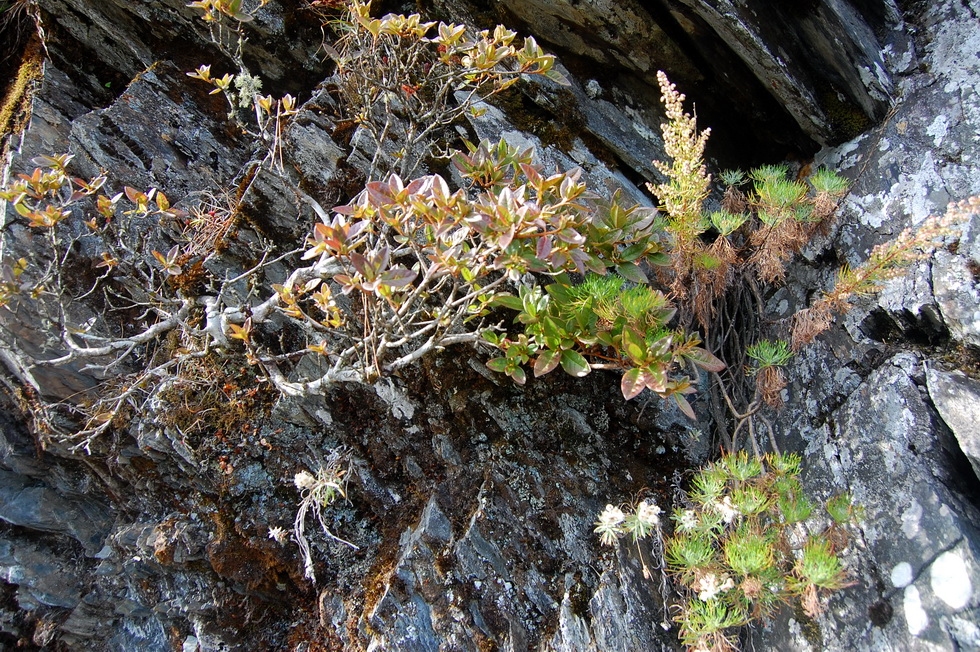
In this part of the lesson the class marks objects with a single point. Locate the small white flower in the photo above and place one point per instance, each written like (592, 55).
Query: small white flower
(611, 515)
(726, 509)
(649, 513)
(304, 480)
(609, 524)
(277, 534)
(709, 586)
(689, 520)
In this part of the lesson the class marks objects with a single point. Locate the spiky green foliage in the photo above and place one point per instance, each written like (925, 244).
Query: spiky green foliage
(708, 484)
(750, 500)
(733, 177)
(785, 464)
(687, 554)
(780, 194)
(768, 353)
(794, 506)
(769, 173)
(726, 223)
(706, 623)
(741, 467)
(820, 566)
(748, 552)
(841, 508)
(828, 181)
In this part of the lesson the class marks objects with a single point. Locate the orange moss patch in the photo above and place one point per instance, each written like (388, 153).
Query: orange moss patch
(258, 567)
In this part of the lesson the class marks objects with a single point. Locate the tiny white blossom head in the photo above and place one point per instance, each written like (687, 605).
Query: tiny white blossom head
(648, 513)
(612, 515)
(711, 585)
(304, 480)
(688, 520)
(726, 509)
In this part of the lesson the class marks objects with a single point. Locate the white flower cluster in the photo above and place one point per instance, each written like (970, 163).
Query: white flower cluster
(688, 520)
(648, 513)
(614, 522)
(710, 585)
(726, 509)
(609, 524)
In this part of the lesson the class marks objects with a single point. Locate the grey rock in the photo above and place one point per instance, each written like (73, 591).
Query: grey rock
(43, 509)
(41, 577)
(956, 289)
(881, 447)
(153, 140)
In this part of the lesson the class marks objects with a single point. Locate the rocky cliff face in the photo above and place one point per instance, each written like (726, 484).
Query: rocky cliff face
(472, 501)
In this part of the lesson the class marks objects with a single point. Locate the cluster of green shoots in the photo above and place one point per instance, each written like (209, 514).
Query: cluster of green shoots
(743, 546)
(601, 324)
(768, 358)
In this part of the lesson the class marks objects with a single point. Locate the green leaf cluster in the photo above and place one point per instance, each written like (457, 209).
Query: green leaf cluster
(607, 322)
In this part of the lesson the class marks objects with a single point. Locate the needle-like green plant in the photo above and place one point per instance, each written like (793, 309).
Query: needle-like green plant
(886, 261)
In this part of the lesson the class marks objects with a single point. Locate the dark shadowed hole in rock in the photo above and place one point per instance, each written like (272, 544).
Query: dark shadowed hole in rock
(871, 360)
(964, 478)
(880, 613)
(749, 126)
(827, 258)
(924, 329)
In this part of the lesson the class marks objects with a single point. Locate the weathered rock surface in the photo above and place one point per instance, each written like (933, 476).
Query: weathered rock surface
(889, 436)
(769, 78)
(473, 501)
